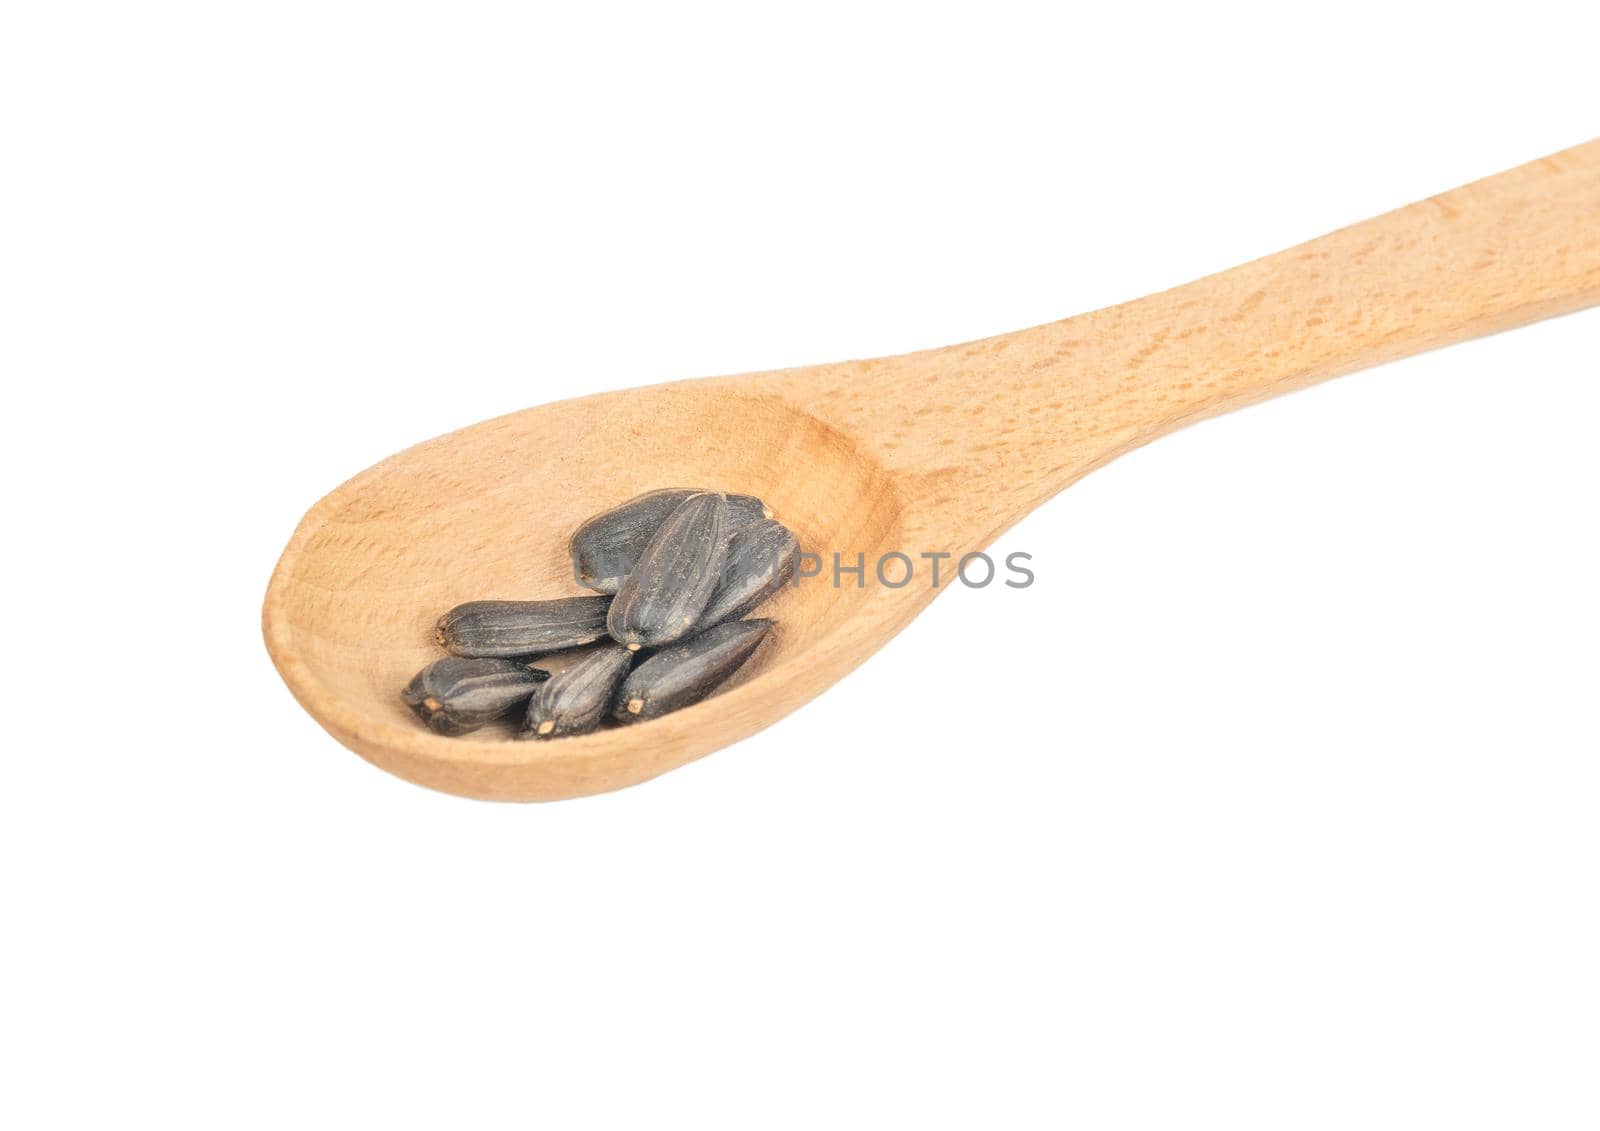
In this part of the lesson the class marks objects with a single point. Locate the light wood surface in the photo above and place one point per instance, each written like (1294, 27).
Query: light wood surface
(939, 450)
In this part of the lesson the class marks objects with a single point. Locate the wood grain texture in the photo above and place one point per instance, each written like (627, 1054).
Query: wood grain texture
(938, 450)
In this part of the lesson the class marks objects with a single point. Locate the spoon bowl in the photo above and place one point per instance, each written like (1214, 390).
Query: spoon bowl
(931, 452)
(485, 512)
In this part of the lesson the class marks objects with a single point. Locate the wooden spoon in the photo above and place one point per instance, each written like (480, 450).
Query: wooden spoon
(934, 451)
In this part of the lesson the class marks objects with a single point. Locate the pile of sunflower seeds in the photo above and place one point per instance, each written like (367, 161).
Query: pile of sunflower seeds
(676, 572)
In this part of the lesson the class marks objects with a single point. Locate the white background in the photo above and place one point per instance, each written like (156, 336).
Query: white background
(1272, 804)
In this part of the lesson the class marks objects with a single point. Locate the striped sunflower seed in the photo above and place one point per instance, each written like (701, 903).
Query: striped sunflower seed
(607, 547)
(522, 628)
(688, 672)
(761, 559)
(458, 694)
(575, 700)
(662, 599)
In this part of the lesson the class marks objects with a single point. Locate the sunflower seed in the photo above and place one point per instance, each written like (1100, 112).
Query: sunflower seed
(686, 673)
(574, 701)
(522, 628)
(458, 694)
(607, 547)
(662, 599)
(760, 559)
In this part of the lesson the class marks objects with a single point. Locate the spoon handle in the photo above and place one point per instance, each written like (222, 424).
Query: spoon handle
(1018, 417)
(1504, 251)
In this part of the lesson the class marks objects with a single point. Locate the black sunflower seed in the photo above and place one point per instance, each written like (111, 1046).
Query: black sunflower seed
(662, 599)
(575, 700)
(522, 628)
(607, 547)
(760, 560)
(458, 694)
(688, 672)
